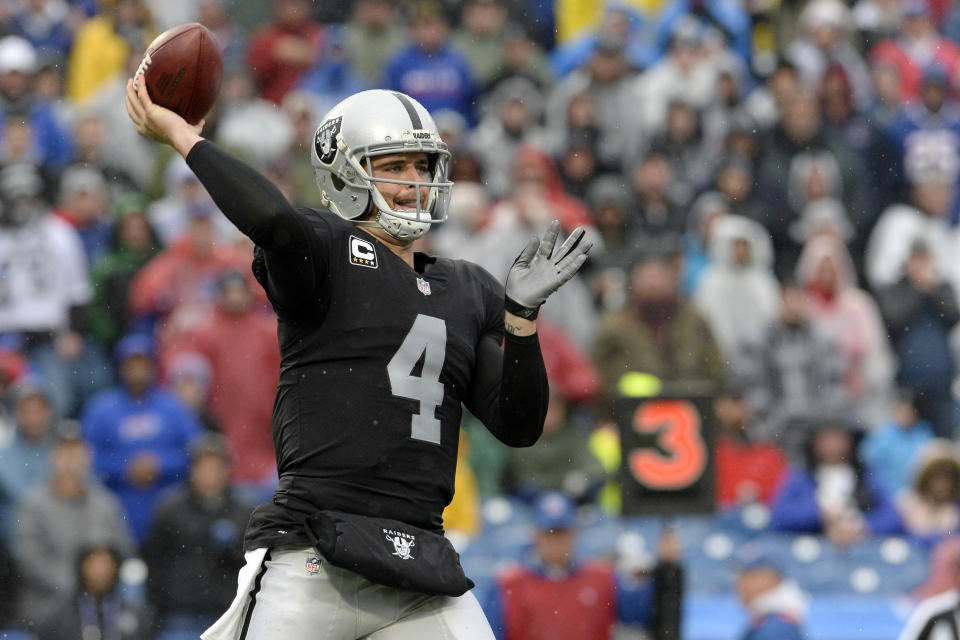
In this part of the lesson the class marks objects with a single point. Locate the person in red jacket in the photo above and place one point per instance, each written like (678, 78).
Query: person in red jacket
(555, 597)
(177, 288)
(917, 46)
(748, 469)
(240, 343)
(282, 51)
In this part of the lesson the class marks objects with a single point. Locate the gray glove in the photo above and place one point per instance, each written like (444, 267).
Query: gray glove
(540, 270)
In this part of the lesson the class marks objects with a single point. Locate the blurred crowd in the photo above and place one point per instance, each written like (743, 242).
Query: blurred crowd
(771, 186)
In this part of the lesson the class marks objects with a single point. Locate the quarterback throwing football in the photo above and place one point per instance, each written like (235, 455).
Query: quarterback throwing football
(380, 345)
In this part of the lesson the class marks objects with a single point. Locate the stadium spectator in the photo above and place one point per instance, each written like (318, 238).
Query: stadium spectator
(799, 164)
(609, 84)
(47, 25)
(891, 447)
(373, 35)
(916, 45)
(748, 469)
(620, 20)
(842, 119)
(522, 57)
(824, 41)
(832, 492)
(177, 288)
(121, 149)
(685, 73)
(243, 381)
(429, 69)
(737, 293)
(84, 204)
(280, 52)
(47, 291)
(561, 461)
(920, 311)
(794, 372)
(102, 45)
(510, 117)
(542, 598)
(57, 521)
(681, 142)
(922, 137)
(183, 199)
(25, 461)
(727, 111)
(730, 19)
(91, 149)
(734, 180)
(189, 377)
(46, 138)
(193, 548)
(659, 208)
(481, 38)
(708, 209)
(930, 507)
(99, 607)
(611, 206)
(331, 78)
(776, 604)
(139, 433)
(849, 318)
(132, 245)
(902, 227)
(569, 368)
(657, 332)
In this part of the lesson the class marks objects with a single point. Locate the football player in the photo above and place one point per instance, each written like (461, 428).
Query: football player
(380, 345)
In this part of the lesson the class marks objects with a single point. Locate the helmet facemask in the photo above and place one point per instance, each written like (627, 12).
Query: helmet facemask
(355, 173)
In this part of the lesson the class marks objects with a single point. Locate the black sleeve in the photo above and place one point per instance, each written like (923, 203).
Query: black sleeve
(258, 209)
(509, 390)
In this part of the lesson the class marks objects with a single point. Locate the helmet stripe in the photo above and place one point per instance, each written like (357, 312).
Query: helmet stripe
(411, 110)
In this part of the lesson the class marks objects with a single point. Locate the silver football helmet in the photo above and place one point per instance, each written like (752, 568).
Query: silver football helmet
(377, 123)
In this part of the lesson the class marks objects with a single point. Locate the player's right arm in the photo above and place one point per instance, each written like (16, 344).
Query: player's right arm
(248, 199)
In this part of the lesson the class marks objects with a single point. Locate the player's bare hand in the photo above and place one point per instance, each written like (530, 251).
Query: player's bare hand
(155, 122)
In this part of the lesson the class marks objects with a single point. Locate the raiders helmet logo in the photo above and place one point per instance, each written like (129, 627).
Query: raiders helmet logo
(325, 141)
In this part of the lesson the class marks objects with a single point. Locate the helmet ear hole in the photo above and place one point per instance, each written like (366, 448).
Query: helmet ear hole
(338, 183)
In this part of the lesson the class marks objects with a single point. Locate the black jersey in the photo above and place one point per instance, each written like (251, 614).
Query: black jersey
(377, 358)
(373, 374)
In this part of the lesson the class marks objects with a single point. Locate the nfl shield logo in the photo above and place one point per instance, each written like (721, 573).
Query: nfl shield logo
(313, 564)
(423, 286)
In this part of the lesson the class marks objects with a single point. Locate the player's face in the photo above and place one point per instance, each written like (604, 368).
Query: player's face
(414, 167)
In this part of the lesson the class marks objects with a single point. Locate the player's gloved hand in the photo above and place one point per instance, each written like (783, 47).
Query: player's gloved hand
(541, 269)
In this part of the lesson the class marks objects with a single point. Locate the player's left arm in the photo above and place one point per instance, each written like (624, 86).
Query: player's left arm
(510, 390)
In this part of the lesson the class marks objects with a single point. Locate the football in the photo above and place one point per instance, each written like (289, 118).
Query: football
(183, 69)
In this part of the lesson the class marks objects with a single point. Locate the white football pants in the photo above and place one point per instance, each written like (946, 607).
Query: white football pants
(284, 594)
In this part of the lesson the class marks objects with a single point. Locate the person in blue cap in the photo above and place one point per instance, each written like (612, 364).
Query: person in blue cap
(776, 605)
(555, 595)
(139, 432)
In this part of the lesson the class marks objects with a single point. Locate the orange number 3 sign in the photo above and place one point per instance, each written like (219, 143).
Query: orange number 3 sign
(677, 424)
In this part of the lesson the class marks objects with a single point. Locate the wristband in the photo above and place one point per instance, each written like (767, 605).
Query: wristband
(518, 309)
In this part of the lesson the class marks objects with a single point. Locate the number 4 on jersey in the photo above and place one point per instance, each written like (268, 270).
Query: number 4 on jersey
(427, 339)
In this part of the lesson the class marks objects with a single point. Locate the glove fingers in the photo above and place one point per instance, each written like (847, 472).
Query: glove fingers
(528, 251)
(569, 245)
(549, 239)
(571, 267)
